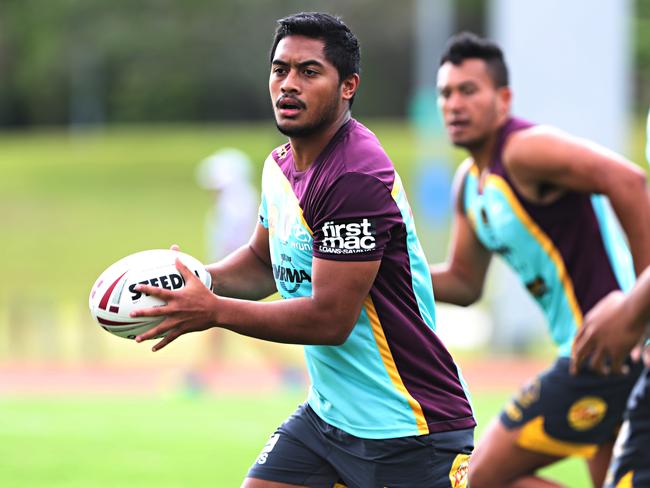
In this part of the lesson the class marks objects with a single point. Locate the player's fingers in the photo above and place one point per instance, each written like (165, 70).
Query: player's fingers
(185, 271)
(159, 330)
(598, 361)
(617, 365)
(151, 311)
(175, 247)
(172, 336)
(580, 351)
(155, 291)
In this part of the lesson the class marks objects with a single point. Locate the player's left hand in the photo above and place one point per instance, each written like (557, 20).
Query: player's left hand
(189, 309)
(606, 337)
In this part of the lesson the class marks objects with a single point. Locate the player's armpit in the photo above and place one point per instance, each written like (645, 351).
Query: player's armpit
(246, 273)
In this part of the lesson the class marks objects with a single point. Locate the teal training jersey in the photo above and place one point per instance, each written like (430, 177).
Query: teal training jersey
(392, 377)
(569, 254)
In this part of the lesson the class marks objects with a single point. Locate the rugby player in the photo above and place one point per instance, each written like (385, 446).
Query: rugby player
(386, 404)
(538, 198)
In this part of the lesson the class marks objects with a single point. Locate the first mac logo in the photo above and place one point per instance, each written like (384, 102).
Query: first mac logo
(348, 237)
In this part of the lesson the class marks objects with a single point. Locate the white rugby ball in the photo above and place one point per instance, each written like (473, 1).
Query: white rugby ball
(113, 296)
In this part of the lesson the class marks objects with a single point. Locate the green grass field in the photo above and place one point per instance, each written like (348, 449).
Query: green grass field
(171, 442)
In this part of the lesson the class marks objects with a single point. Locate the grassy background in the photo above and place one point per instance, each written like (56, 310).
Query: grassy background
(170, 442)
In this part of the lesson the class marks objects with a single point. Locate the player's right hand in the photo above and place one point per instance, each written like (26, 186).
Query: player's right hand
(606, 337)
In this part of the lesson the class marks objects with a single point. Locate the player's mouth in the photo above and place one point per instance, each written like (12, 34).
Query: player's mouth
(289, 107)
(455, 126)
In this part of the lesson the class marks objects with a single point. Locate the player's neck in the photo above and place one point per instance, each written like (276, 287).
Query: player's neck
(483, 153)
(306, 149)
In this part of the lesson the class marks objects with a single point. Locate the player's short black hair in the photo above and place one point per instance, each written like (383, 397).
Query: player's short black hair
(467, 45)
(341, 45)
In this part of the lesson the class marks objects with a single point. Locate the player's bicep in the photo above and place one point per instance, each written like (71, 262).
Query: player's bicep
(259, 244)
(340, 289)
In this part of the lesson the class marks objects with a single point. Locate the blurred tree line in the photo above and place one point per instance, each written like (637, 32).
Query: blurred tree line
(93, 61)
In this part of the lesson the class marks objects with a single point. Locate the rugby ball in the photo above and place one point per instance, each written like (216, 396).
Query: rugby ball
(113, 296)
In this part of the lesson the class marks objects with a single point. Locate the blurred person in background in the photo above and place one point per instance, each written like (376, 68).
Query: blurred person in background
(227, 175)
(230, 220)
(536, 196)
(387, 405)
(612, 330)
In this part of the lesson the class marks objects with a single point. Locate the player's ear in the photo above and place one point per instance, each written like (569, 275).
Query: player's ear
(504, 100)
(349, 86)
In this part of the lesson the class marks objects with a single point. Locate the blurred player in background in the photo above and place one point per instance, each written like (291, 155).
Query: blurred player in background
(230, 220)
(386, 405)
(536, 196)
(610, 332)
(227, 175)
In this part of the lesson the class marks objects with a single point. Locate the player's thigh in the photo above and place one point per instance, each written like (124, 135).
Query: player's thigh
(498, 460)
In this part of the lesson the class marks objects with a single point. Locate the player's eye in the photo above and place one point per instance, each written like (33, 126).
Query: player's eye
(468, 89)
(310, 72)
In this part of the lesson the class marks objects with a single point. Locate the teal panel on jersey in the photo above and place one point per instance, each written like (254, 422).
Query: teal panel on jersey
(615, 243)
(263, 212)
(420, 273)
(376, 403)
(504, 227)
(290, 239)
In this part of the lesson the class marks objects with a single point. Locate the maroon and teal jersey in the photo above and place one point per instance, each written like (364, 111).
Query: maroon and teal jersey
(392, 377)
(569, 254)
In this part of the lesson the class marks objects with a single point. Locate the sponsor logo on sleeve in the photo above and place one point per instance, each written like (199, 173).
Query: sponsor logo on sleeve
(348, 237)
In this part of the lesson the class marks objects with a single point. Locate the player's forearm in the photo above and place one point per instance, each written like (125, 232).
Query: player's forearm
(632, 206)
(242, 274)
(450, 286)
(638, 302)
(291, 321)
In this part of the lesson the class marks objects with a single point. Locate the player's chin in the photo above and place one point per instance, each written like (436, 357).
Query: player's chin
(292, 128)
(462, 141)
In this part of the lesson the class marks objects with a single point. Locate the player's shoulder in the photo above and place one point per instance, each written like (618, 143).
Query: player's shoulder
(531, 143)
(360, 153)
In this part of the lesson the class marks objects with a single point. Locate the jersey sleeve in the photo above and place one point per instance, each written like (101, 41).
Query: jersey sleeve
(355, 219)
(263, 216)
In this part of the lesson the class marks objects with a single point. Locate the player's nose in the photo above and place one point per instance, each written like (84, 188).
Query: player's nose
(290, 83)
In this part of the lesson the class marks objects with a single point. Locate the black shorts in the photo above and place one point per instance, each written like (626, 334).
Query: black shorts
(630, 465)
(561, 414)
(305, 450)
